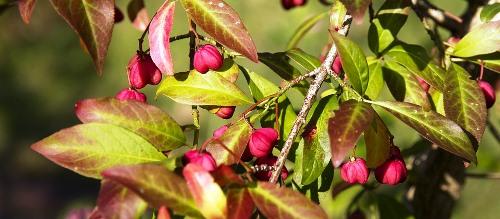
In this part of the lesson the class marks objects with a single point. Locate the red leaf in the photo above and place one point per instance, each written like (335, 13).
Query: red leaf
(346, 126)
(26, 9)
(138, 14)
(163, 213)
(207, 194)
(93, 21)
(159, 36)
(239, 203)
(116, 201)
(235, 138)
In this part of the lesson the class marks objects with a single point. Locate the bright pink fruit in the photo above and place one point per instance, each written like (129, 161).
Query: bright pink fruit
(288, 4)
(207, 57)
(131, 94)
(225, 112)
(262, 141)
(268, 161)
(355, 171)
(489, 93)
(220, 131)
(337, 65)
(423, 84)
(141, 70)
(391, 172)
(202, 158)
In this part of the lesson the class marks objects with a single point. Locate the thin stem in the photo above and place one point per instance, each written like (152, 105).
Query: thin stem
(141, 40)
(196, 122)
(308, 101)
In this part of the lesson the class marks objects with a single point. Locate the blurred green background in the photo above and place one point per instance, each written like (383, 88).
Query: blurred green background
(43, 72)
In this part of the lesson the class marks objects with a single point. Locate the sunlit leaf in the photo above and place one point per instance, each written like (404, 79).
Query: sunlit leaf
(115, 201)
(159, 37)
(239, 204)
(404, 85)
(357, 8)
(194, 88)
(306, 61)
(376, 82)
(138, 14)
(91, 148)
(156, 185)
(304, 27)
(386, 24)
(353, 62)
(208, 195)
(93, 22)
(338, 11)
(489, 11)
(416, 59)
(235, 138)
(433, 127)
(146, 120)
(378, 141)
(464, 101)
(229, 70)
(313, 153)
(483, 39)
(346, 126)
(281, 202)
(223, 23)
(26, 9)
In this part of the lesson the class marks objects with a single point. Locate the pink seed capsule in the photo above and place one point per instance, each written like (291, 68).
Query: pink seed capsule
(262, 141)
(355, 171)
(131, 94)
(202, 158)
(207, 57)
(141, 70)
(391, 172)
(489, 93)
(225, 112)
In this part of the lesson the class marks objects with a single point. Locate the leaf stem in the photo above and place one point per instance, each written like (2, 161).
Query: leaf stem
(324, 70)
(141, 40)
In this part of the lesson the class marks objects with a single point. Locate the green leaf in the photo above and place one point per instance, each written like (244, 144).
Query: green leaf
(194, 88)
(305, 27)
(239, 203)
(26, 9)
(433, 127)
(223, 23)
(386, 24)
(338, 11)
(306, 61)
(159, 37)
(378, 141)
(148, 121)
(490, 61)
(235, 138)
(464, 101)
(353, 62)
(489, 11)
(229, 70)
(116, 201)
(376, 82)
(357, 8)
(91, 148)
(313, 154)
(259, 86)
(410, 91)
(93, 22)
(281, 202)
(345, 127)
(415, 59)
(390, 208)
(483, 39)
(157, 185)
(279, 63)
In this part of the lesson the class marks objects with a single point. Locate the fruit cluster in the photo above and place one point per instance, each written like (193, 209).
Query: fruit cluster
(391, 172)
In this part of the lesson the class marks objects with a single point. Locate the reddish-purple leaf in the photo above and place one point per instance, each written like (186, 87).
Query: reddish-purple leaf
(146, 120)
(91, 148)
(26, 9)
(356, 8)
(138, 14)
(163, 213)
(156, 185)
(208, 195)
(93, 21)
(378, 142)
(239, 203)
(116, 201)
(235, 138)
(281, 202)
(223, 23)
(159, 37)
(345, 127)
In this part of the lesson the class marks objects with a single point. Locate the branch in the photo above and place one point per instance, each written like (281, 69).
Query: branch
(324, 70)
(445, 19)
(484, 175)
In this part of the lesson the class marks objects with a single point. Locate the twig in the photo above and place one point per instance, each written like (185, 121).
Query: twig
(445, 19)
(484, 175)
(308, 101)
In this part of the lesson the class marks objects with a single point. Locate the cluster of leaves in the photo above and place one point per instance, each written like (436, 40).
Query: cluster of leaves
(134, 148)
